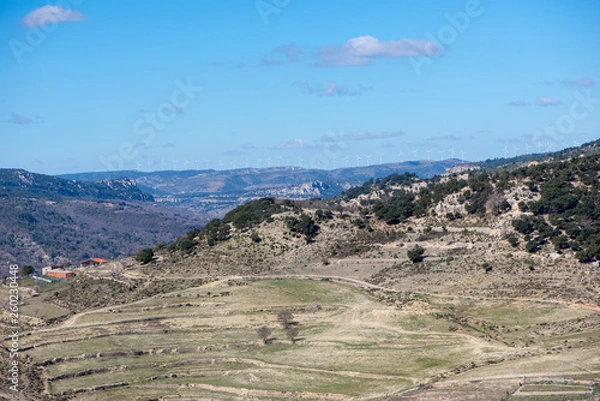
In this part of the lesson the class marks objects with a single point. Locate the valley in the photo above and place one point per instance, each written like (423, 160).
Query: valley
(399, 289)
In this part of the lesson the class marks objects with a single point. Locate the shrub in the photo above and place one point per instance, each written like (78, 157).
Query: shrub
(416, 254)
(305, 225)
(27, 270)
(513, 241)
(144, 256)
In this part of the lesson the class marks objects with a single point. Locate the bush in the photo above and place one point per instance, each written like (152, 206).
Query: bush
(534, 245)
(523, 226)
(305, 225)
(27, 270)
(144, 256)
(416, 254)
(255, 237)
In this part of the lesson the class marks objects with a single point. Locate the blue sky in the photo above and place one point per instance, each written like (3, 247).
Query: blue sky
(92, 85)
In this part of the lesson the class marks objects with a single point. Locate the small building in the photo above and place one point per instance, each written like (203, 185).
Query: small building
(46, 269)
(59, 273)
(93, 262)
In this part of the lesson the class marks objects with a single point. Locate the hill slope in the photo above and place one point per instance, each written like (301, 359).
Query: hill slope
(46, 220)
(21, 183)
(450, 288)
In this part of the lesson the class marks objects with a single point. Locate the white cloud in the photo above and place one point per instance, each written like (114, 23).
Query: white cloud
(579, 82)
(331, 89)
(50, 15)
(444, 138)
(547, 101)
(361, 136)
(361, 50)
(519, 103)
(233, 153)
(284, 54)
(295, 144)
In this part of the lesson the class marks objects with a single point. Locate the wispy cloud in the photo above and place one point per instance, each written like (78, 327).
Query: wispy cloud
(423, 144)
(331, 89)
(363, 49)
(142, 145)
(578, 82)
(248, 145)
(519, 103)
(18, 119)
(444, 138)
(284, 54)
(50, 15)
(168, 145)
(361, 136)
(295, 144)
(22, 120)
(233, 153)
(544, 101)
(587, 82)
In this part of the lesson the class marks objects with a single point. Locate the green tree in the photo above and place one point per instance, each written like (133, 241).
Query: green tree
(415, 254)
(144, 256)
(27, 270)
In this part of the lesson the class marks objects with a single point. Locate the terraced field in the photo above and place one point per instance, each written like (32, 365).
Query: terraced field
(201, 343)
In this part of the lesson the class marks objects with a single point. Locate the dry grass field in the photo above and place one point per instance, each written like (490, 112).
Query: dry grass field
(201, 344)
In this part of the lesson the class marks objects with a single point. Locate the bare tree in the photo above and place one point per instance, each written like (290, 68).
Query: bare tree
(492, 204)
(292, 333)
(115, 272)
(285, 318)
(264, 333)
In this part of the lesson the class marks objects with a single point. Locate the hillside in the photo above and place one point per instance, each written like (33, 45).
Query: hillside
(21, 183)
(482, 284)
(47, 220)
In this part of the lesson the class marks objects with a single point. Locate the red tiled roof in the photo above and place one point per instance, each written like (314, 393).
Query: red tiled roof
(99, 260)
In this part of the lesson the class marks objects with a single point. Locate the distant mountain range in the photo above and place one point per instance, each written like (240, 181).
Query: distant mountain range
(214, 192)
